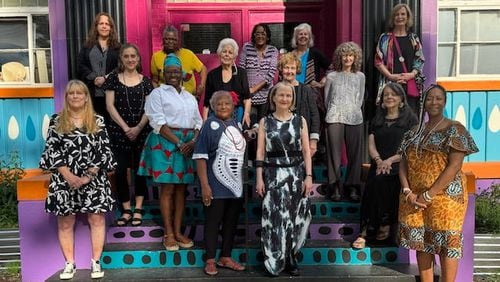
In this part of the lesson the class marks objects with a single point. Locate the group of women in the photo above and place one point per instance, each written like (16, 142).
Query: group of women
(160, 133)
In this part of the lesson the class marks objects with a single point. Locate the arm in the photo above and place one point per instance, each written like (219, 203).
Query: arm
(314, 132)
(411, 198)
(306, 154)
(247, 103)
(260, 154)
(206, 190)
(155, 71)
(381, 51)
(113, 113)
(203, 80)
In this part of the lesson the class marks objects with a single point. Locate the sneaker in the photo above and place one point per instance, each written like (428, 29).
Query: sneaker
(96, 271)
(68, 271)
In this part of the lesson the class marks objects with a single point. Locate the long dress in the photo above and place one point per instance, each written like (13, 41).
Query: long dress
(438, 228)
(78, 151)
(381, 196)
(285, 210)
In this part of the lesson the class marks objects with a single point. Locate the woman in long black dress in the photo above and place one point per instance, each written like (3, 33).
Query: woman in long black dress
(379, 206)
(126, 91)
(284, 180)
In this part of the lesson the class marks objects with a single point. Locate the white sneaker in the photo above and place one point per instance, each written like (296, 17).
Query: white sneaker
(96, 271)
(68, 271)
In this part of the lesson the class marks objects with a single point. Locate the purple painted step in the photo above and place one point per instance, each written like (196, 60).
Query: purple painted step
(317, 231)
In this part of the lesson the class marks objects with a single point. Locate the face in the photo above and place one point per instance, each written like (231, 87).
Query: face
(103, 26)
(303, 38)
(76, 98)
(173, 76)
(283, 98)
(347, 60)
(260, 36)
(224, 107)
(130, 58)
(227, 55)
(289, 72)
(391, 100)
(170, 41)
(435, 102)
(401, 17)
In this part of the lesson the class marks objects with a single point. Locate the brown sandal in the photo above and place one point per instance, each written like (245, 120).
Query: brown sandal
(169, 242)
(230, 264)
(184, 242)
(210, 267)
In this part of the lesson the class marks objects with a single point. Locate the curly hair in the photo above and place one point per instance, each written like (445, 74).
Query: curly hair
(289, 58)
(93, 35)
(347, 48)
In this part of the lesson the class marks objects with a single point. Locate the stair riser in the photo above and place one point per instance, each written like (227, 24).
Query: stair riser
(195, 258)
(324, 231)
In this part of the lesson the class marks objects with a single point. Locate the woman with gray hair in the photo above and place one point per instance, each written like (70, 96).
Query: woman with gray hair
(229, 77)
(313, 61)
(219, 153)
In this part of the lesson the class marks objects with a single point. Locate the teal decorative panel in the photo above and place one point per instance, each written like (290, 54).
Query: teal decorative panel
(493, 127)
(460, 108)
(477, 124)
(22, 126)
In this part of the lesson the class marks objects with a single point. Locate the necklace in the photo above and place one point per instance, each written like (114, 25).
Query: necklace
(418, 148)
(135, 117)
(432, 129)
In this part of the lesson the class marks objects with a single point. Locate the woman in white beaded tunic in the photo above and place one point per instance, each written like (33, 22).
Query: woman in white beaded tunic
(284, 180)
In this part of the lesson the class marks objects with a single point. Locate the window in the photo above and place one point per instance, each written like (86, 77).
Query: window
(200, 38)
(468, 41)
(25, 56)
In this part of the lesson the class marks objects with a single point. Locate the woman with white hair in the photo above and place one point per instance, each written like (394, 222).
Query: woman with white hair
(313, 61)
(229, 77)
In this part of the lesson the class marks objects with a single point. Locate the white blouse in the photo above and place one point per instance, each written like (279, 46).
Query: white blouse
(178, 110)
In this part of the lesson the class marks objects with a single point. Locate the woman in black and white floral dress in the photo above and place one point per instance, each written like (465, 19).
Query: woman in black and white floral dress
(78, 155)
(284, 180)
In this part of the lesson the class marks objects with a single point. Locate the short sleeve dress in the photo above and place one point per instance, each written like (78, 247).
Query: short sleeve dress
(438, 228)
(78, 151)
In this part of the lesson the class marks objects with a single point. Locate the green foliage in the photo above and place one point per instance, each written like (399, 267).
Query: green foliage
(10, 171)
(488, 210)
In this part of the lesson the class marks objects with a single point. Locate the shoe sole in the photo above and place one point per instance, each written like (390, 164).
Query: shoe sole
(97, 275)
(66, 277)
(185, 245)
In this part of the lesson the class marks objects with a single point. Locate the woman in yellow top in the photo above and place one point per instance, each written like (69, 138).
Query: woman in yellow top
(434, 197)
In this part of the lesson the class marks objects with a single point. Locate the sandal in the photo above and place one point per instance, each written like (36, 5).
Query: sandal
(230, 264)
(137, 221)
(123, 221)
(169, 242)
(383, 232)
(210, 267)
(359, 243)
(184, 242)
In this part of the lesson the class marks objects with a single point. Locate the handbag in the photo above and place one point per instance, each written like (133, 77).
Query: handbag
(411, 85)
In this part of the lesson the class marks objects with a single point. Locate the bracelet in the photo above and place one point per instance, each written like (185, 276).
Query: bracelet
(179, 144)
(309, 175)
(407, 195)
(90, 175)
(406, 191)
(427, 197)
(259, 163)
(377, 158)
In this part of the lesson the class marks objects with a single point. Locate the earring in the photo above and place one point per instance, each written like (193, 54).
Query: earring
(382, 106)
(401, 105)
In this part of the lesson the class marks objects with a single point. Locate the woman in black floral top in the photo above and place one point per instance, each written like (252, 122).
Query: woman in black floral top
(78, 154)
(126, 91)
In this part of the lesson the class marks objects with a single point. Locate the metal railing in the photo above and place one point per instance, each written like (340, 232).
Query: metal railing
(9, 248)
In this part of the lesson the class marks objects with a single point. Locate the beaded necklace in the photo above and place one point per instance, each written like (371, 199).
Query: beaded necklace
(134, 116)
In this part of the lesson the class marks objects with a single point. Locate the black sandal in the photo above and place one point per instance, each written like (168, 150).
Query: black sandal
(135, 221)
(122, 221)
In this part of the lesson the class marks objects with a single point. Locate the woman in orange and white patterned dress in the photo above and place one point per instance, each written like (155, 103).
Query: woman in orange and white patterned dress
(434, 197)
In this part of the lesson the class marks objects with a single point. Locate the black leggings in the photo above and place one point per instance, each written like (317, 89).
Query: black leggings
(227, 212)
(128, 159)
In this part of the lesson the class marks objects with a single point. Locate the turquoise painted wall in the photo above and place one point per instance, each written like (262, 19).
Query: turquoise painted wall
(23, 127)
(24, 122)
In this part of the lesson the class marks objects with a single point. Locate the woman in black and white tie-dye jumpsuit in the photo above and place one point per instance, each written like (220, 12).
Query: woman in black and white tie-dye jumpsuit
(284, 181)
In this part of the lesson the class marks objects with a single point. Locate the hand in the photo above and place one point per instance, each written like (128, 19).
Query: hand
(384, 167)
(251, 133)
(407, 76)
(307, 187)
(99, 81)
(259, 188)
(199, 91)
(187, 148)
(246, 119)
(315, 84)
(206, 195)
(74, 181)
(413, 200)
(313, 146)
(133, 132)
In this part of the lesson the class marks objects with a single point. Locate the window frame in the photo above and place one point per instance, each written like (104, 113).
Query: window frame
(459, 7)
(29, 13)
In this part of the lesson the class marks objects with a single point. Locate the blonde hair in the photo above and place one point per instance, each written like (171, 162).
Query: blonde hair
(347, 48)
(289, 58)
(409, 14)
(274, 90)
(89, 120)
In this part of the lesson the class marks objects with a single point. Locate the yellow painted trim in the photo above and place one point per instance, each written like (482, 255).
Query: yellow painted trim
(478, 85)
(33, 92)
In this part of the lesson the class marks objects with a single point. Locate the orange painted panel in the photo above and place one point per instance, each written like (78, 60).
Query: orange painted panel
(479, 85)
(33, 188)
(32, 92)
